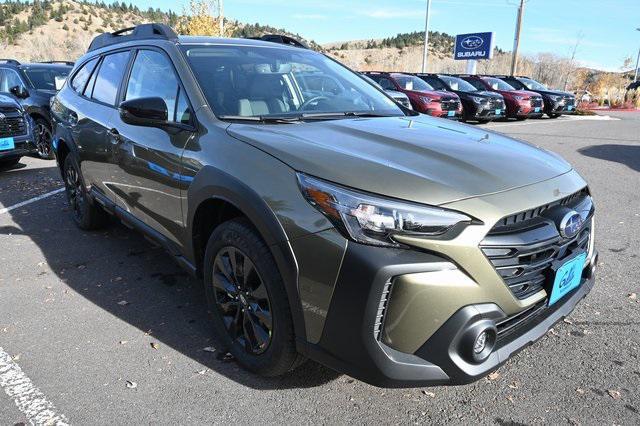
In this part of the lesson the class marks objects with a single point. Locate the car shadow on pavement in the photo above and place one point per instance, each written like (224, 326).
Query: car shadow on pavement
(629, 155)
(119, 271)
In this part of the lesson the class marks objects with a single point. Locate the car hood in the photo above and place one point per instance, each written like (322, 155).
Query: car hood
(555, 93)
(433, 94)
(421, 159)
(396, 94)
(7, 100)
(481, 93)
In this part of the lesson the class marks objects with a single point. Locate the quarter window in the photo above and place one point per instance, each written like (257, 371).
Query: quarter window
(82, 76)
(8, 79)
(109, 77)
(152, 75)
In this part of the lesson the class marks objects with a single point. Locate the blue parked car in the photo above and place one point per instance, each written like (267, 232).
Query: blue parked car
(16, 132)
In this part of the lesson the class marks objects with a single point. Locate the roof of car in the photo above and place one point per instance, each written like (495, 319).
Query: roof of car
(228, 41)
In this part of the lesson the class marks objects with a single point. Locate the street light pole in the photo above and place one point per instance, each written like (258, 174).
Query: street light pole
(516, 39)
(426, 38)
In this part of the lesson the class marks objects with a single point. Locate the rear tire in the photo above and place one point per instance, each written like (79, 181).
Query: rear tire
(521, 118)
(87, 214)
(553, 115)
(247, 301)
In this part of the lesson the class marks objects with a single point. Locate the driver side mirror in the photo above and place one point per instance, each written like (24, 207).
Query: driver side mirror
(150, 112)
(19, 92)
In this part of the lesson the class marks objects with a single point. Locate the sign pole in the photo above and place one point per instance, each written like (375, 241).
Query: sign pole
(472, 67)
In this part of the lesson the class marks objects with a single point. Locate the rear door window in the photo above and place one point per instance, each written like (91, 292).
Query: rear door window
(109, 77)
(82, 76)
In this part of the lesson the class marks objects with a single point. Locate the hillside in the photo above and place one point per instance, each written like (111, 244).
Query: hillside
(63, 29)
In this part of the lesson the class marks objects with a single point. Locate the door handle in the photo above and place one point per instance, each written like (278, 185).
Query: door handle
(115, 136)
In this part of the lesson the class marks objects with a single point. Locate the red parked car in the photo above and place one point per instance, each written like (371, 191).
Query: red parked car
(521, 104)
(423, 97)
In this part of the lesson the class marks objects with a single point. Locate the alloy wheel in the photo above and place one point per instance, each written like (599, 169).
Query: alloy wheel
(43, 140)
(242, 299)
(75, 192)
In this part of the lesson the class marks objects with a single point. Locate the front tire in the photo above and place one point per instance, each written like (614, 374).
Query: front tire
(86, 214)
(247, 301)
(43, 138)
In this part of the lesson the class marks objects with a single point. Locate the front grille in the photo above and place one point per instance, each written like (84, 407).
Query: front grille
(12, 126)
(536, 102)
(512, 323)
(524, 247)
(384, 299)
(496, 104)
(569, 101)
(9, 110)
(450, 104)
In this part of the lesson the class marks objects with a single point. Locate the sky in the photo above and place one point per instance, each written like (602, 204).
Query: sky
(606, 29)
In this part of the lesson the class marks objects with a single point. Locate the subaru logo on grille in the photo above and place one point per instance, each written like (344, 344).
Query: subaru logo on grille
(570, 224)
(472, 42)
(2, 116)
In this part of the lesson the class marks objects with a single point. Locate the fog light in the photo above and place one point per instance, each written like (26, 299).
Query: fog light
(481, 343)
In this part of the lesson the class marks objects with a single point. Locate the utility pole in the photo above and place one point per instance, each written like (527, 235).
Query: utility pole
(426, 38)
(516, 40)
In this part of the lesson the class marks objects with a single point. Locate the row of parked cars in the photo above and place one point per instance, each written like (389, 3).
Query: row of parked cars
(480, 98)
(25, 120)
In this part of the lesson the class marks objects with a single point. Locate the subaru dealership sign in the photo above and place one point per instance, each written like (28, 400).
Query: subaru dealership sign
(473, 46)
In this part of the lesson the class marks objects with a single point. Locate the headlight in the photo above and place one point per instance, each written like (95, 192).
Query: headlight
(427, 100)
(375, 220)
(477, 99)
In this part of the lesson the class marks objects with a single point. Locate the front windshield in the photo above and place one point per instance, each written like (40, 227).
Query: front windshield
(47, 78)
(261, 81)
(497, 84)
(411, 82)
(456, 83)
(532, 84)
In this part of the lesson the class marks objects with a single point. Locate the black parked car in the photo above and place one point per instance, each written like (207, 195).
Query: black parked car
(556, 102)
(478, 105)
(16, 132)
(34, 84)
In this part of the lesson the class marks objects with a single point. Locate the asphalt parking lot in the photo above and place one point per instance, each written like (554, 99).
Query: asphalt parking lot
(103, 328)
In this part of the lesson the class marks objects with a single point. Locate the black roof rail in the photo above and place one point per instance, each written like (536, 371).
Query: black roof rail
(10, 61)
(376, 72)
(282, 39)
(139, 32)
(58, 62)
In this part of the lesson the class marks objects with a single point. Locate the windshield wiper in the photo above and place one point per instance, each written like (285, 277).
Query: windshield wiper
(346, 114)
(262, 118)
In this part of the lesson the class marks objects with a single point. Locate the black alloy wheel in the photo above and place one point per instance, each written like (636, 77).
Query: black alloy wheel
(43, 138)
(75, 191)
(242, 300)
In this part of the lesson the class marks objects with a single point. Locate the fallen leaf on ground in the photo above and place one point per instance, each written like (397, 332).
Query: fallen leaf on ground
(514, 385)
(429, 394)
(510, 398)
(209, 349)
(580, 391)
(123, 342)
(131, 385)
(154, 345)
(493, 376)
(123, 303)
(633, 296)
(614, 394)
(568, 321)
(202, 371)
(553, 332)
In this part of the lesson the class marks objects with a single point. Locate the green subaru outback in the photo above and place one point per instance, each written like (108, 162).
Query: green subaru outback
(326, 221)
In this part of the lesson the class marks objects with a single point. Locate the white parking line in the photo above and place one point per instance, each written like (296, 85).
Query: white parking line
(32, 200)
(27, 397)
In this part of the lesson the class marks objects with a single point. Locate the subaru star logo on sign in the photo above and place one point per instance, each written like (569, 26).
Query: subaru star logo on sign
(570, 224)
(474, 46)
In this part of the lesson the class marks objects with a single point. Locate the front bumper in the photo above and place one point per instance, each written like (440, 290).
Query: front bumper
(351, 342)
(24, 145)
